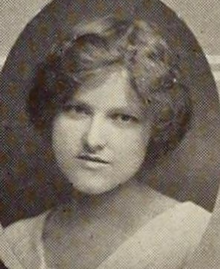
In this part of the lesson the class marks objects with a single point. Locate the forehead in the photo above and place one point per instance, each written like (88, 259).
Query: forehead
(109, 87)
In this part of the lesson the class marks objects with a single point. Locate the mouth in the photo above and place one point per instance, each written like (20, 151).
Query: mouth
(92, 159)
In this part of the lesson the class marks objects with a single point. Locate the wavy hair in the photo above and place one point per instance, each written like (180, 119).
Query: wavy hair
(138, 47)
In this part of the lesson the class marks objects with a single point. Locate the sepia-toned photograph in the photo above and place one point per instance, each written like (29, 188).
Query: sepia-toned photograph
(109, 134)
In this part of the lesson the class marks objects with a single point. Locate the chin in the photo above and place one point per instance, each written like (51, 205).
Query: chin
(94, 189)
(91, 183)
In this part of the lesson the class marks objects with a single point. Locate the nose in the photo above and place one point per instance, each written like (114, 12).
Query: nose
(94, 138)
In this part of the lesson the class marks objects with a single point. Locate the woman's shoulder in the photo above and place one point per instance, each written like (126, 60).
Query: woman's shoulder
(179, 229)
(182, 209)
(161, 205)
(24, 239)
(167, 241)
(185, 220)
(8, 259)
(21, 229)
(190, 213)
(164, 206)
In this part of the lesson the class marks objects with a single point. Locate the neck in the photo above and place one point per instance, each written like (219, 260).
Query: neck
(127, 206)
(121, 195)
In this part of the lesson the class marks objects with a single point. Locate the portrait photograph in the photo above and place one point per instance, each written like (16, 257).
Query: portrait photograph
(109, 134)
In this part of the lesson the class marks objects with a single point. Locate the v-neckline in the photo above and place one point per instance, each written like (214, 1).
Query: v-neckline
(120, 236)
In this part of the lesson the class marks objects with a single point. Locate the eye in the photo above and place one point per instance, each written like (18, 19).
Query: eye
(79, 109)
(76, 110)
(124, 118)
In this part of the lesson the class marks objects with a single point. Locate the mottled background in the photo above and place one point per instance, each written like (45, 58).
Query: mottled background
(203, 18)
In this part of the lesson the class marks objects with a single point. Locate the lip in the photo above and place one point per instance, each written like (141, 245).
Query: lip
(92, 159)
(92, 162)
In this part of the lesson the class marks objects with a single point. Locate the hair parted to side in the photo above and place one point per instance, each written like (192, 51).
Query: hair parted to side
(138, 47)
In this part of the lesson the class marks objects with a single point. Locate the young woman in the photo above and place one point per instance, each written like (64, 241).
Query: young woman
(109, 103)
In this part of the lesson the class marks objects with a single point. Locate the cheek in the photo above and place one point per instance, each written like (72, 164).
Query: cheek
(66, 137)
(132, 146)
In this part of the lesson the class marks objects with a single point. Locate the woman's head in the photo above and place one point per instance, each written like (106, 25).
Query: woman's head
(131, 58)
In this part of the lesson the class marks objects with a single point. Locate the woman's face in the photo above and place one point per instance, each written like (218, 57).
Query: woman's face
(100, 139)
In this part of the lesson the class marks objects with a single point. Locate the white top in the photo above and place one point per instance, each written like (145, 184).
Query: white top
(165, 242)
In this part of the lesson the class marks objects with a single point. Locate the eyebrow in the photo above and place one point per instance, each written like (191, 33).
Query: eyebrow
(117, 109)
(70, 104)
(126, 110)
